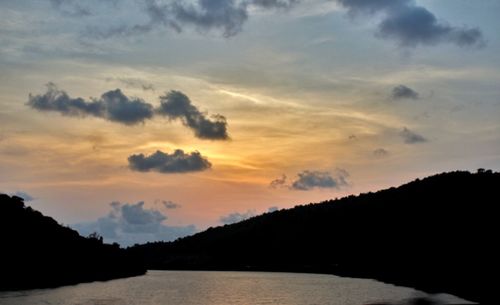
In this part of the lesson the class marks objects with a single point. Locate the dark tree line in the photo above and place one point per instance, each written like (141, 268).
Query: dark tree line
(438, 234)
(37, 252)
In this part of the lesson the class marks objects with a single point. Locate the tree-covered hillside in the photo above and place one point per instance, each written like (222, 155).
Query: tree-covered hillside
(37, 252)
(438, 234)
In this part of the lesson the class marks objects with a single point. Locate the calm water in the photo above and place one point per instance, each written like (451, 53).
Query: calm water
(218, 288)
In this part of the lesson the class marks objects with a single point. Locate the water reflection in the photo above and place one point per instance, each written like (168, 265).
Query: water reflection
(219, 288)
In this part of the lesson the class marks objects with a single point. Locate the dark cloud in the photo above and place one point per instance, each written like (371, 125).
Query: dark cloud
(380, 152)
(120, 108)
(128, 224)
(404, 92)
(117, 107)
(411, 25)
(176, 105)
(177, 162)
(411, 137)
(224, 16)
(237, 217)
(25, 196)
(279, 182)
(113, 106)
(308, 180)
(227, 16)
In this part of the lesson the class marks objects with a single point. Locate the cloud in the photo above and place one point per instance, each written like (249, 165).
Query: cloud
(117, 107)
(128, 224)
(273, 209)
(177, 162)
(411, 25)
(170, 204)
(402, 20)
(404, 92)
(112, 105)
(176, 105)
(227, 16)
(224, 16)
(237, 217)
(25, 196)
(380, 152)
(273, 4)
(278, 183)
(135, 214)
(133, 83)
(71, 8)
(308, 180)
(411, 137)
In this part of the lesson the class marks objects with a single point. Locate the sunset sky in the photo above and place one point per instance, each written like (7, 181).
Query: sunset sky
(153, 119)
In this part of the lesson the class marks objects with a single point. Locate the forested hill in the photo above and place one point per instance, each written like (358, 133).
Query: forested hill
(37, 252)
(437, 234)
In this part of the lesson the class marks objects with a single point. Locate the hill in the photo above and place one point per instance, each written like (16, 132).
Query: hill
(438, 234)
(37, 252)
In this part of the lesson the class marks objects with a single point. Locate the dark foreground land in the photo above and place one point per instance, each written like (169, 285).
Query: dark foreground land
(37, 252)
(438, 234)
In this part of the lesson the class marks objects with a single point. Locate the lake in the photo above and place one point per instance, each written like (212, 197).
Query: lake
(219, 288)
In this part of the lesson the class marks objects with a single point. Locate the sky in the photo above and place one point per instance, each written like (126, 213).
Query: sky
(154, 119)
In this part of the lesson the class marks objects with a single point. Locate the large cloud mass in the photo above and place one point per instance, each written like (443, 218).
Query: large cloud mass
(177, 162)
(117, 107)
(411, 25)
(113, 105)
(227, 16)
(176, 105)
(224, 16)
(403, 21)
(128, 224)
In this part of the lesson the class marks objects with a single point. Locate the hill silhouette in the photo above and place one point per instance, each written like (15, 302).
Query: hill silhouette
(438, 234)
(37, 252)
